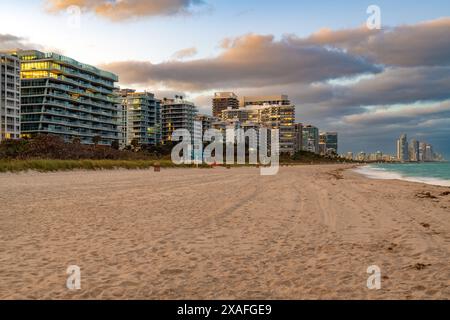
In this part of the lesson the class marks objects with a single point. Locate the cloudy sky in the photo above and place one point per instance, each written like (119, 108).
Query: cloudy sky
(369, 85)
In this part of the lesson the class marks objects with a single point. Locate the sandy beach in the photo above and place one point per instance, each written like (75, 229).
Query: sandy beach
(309, 232)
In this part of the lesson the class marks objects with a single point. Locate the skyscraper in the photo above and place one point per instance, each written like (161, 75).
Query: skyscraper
(177, 114)
(141, 117)
(414, 150)
(298, 137)
(429, 154)
(9, 97)
(61, 96)
(402, 148)
(331, 141)
(223, 101)
(311, 139)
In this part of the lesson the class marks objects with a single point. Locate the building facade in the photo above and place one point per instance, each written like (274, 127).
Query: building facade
(63, 97)
(270, 116)
(223, 101)
(9, 97)
(414, 150)
(141, 118)
(206, 121)
(311, 139)
(177, 114)
(330, 142)
(262, 100)
(428, 154)
(402, 148)
(298, 137)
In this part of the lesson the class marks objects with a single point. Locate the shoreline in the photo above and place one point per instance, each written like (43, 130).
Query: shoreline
(309, 232)
(380, 174)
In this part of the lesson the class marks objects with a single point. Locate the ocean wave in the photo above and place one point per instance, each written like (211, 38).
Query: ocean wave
(383, 174)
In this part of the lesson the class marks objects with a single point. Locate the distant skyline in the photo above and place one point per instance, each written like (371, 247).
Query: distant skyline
(370, 86)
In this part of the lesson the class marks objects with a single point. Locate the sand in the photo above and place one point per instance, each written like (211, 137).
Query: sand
(309, 232)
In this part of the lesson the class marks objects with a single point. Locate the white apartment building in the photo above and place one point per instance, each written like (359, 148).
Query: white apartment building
(177, 114)
(9, 97)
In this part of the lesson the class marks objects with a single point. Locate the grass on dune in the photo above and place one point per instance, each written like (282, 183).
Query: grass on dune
(50, 165)
(44, 165)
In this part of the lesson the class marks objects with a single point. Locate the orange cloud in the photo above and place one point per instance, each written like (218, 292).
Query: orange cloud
(126, 9)
(426, 43)
(184, 53)
(247, 61)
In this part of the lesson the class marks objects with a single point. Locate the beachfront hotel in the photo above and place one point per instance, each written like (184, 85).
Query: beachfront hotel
(177, 114)
(271, 112)
(9, 97)
(61, 96)
(140, 118)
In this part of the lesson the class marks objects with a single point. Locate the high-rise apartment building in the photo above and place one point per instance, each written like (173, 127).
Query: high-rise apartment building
(322, 143)
(298, 137)
(428, 154)
(223, 101)
(402, 148)
(328, 143)
(414, 150)
(61, 96)
(270, 116)
(177, 114)
(311, 139)
(141, 118)
(9, 97)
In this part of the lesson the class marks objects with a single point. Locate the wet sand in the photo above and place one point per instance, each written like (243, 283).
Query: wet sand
(309, 232)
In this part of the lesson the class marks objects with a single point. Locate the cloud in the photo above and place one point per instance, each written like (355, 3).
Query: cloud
(422, 44)
(417, 114)
(11, 42)
(118, 10)
(378, 130)
(248, 61)
(184, 53)
(393, 86)
(259, 60)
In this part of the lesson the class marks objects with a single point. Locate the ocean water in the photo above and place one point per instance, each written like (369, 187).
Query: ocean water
(435, 173)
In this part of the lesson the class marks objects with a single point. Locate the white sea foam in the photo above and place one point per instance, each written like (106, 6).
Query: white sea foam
(383, 174)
